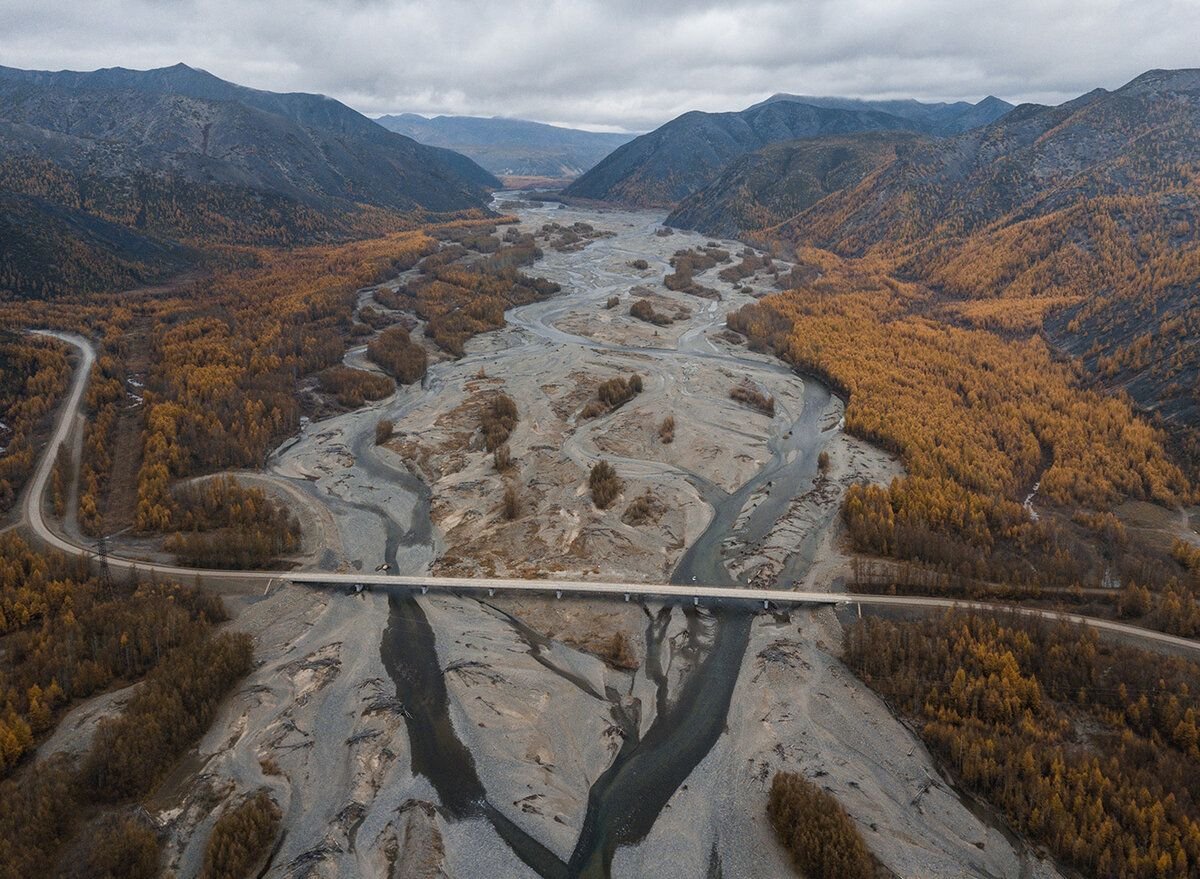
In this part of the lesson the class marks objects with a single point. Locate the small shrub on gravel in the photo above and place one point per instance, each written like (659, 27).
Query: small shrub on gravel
(643, 310)
(497, 420)
(384, 429)
(512, 502)
(612, 394)
(666, 430)
(502, 458)
(604, 483)
(645, 508)
(752, 396)
(618, 652)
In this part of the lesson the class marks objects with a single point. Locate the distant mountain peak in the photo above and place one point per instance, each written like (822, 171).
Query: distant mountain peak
(939, 118)
(507, 146)
(302, 146)
(1186, 79)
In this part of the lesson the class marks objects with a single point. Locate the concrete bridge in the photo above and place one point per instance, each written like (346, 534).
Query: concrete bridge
(32, 516)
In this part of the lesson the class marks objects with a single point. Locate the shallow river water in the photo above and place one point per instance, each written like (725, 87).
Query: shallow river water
(626, 800)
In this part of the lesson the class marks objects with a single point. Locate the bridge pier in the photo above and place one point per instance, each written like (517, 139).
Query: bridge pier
(626, 596)
(558, 593)
(491, 593)
(695, 600)
(424, 589)
(765, 603)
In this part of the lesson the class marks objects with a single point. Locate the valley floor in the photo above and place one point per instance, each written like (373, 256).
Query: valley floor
(441, 736)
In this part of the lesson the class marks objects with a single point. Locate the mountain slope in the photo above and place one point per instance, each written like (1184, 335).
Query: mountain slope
(511, 146)
(765, 188)
(177, 156)
(681, 157)
(192, 124)
(942, 119)
(49, 248)
(1088, 212)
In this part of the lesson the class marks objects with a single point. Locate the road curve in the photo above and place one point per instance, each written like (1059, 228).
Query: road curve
(31, 504)
(32, 513)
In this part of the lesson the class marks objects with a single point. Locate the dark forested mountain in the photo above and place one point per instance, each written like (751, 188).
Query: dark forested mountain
(50, 247)
(766, 188)
(513, 147)
(179, 155)
(192, 124)
(676, 159)
(942, 119)
(688, 153)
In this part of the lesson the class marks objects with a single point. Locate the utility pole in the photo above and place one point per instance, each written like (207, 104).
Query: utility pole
(105, 573)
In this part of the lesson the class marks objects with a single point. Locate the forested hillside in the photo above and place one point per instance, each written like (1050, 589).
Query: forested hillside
(688, 153)
(1086, 748)
(1079, 221)
(69, 635)
(662, 168)
(116, 178)
(763, 189)
(941, 118)
(979, 418)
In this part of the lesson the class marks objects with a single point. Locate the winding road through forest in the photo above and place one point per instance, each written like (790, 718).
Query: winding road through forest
(33, 517)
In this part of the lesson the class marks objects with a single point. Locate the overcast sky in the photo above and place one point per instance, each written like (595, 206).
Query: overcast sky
(623, 64)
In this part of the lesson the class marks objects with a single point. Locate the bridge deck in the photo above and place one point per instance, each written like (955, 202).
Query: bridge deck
(699, 594)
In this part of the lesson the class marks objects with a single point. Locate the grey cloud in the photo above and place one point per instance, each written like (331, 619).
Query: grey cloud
(617, 63)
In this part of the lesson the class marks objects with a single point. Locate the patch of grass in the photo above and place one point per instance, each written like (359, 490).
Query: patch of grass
(643, 310)
(753, 397)
(666, 430)
(384, 428)
(644, 509)
(497, 421)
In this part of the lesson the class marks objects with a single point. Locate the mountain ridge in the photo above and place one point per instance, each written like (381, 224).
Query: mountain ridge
(177, 157)
(771, 185)
(666, 165)
(329, 131)
(940, 118)
(1080, 220)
